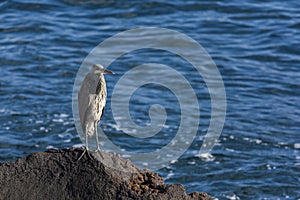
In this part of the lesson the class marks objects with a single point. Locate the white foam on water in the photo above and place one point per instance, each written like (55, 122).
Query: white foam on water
(170, 174)
(165, 126)
(63, 115)
(78, 145)
(192, 162)
(207, 157)
(270, 167)
(233, 197)
(253, 140)
(118, 128)
(58, 120)
(297, 146)
(69, 130)
(230, 150)
(282, 143)
(50, 147)
(257, 141)
(173, 161)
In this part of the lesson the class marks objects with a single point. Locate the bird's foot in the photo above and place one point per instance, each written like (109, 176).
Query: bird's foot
(99, 153)
(86, 150)
(97, 150)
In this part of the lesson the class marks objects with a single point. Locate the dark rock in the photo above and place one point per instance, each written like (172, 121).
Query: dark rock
(57, 174)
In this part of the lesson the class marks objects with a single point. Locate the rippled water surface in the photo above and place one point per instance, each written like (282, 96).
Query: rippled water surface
(254, 44)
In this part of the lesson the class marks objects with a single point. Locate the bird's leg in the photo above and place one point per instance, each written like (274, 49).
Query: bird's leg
(86, 142)
(96, 134)
(86, 148)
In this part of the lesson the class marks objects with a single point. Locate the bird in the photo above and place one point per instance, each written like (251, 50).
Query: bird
(91, 102)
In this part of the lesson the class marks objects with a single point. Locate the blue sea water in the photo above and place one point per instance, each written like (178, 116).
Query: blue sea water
(255, 45)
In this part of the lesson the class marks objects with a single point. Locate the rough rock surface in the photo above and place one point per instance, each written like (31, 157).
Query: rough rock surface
(57, 174)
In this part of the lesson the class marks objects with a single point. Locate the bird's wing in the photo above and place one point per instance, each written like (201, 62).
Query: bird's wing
(88, 86)
(102, 112)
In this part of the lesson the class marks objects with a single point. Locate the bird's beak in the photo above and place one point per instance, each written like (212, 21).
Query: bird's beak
(107, 72)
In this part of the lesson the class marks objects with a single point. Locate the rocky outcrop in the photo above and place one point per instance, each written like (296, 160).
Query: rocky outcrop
(58, 174)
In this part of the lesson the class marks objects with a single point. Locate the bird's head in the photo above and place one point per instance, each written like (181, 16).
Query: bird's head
(99, 69)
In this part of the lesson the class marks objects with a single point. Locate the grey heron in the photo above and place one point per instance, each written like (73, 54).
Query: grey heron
(91, 102)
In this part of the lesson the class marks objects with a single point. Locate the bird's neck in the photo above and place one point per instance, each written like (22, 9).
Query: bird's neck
(101, 87)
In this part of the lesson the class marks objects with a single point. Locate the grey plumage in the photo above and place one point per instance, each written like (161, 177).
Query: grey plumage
(92, 100)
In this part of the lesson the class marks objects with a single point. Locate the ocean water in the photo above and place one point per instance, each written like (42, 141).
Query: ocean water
(254, 44)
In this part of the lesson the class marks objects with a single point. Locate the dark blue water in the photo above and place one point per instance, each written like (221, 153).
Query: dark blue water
(254, 44)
